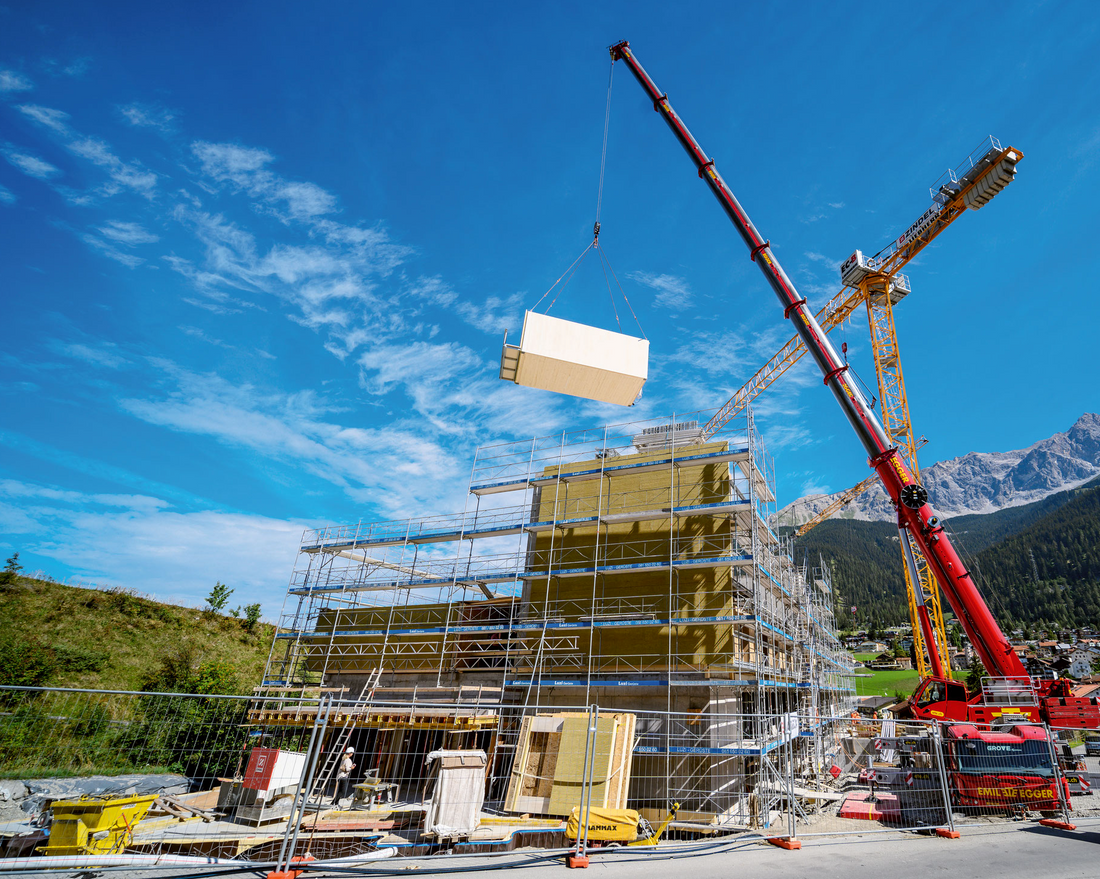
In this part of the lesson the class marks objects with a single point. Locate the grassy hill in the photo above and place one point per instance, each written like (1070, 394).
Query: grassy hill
(65, 636)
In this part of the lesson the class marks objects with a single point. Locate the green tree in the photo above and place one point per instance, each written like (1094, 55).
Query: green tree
(218, 598)
(11, 570)
(974, 678)
(251, 616)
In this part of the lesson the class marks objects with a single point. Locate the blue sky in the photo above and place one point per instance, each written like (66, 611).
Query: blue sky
(258, 258)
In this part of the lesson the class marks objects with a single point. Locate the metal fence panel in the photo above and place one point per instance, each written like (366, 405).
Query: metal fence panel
(264, 780)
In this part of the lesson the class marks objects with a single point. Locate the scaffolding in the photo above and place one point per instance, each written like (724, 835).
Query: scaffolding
(634, 566)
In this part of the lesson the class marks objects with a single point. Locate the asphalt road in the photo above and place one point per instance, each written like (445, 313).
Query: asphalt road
(1016, 850)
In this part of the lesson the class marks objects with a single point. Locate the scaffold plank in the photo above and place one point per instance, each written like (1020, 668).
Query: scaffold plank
(737, 454)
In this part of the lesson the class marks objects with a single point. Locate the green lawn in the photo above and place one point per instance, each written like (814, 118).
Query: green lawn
(887, 682)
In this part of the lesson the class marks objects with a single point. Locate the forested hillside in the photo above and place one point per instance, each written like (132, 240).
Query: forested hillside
(1061, 588)
(1050, 571)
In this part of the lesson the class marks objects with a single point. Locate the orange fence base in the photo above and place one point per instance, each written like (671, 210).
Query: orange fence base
(788, 842)
(575, 861)
(1054, 822)
(946, 833)
(290, 874)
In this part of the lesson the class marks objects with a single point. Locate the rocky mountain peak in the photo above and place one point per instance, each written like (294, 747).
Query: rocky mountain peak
(984, 482)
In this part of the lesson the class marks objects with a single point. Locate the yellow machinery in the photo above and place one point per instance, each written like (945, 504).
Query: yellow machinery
(95, 825)
(621, 826)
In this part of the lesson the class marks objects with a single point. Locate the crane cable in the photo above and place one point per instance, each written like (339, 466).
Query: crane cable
(603, 153)
(605, 263)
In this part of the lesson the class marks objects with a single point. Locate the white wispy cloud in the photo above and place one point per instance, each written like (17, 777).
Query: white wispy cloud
(396, 467)
(99, 354)
(6, 195)
(832, 264)
(76, 68)
(149, 116)
(729, 352)
(211, 306)
(55, 120)
(122, 174)
(126, 174)
(814, 486)
(174, 553)
(494, 315)
(198, 333)
(332, 289)
(30, 165)
(245, 168)
(127, 233)
(110, 251)
(673, 292)
(13, 81)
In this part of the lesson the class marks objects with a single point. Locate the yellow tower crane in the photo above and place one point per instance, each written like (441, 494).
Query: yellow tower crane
(877, 283)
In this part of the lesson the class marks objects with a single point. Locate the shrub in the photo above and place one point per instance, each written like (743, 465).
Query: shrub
(251, 616)
(24, 662)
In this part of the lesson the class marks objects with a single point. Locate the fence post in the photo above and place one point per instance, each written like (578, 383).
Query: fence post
(579, 857)
(1059, 782)
(301, 793)
(790, 733)
(941, 766)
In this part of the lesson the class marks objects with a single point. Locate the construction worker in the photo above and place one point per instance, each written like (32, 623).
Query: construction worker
(343, 777)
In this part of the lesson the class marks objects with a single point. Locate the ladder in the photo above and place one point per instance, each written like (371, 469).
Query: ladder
(336, 754)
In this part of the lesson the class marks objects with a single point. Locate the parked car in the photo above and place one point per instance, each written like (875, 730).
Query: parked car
(1092, 746)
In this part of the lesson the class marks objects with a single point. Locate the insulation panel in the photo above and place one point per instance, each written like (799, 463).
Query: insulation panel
(571, 358)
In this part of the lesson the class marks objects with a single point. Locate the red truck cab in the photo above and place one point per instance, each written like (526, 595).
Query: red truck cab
(1006, 771)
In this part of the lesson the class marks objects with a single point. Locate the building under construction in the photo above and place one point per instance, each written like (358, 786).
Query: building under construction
(634, 567)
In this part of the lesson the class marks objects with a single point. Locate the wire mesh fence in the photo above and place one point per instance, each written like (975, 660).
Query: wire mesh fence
(94, 778)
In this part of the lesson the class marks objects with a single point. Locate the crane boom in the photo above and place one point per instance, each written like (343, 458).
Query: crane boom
(910, 499)
(838, 503)
(836, 311)
(983, 173)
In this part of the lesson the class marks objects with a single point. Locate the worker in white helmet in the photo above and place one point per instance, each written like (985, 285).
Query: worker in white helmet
(343, 777)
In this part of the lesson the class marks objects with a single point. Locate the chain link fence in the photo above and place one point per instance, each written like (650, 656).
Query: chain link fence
(95, 778)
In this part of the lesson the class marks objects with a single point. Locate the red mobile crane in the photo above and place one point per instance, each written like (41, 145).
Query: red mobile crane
(1013, 693)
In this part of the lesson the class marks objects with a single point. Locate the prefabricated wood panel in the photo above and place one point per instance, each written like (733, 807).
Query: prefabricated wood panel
(548, 773)
(532, 777)
(697, 592)
(569, 776)
(571, 358)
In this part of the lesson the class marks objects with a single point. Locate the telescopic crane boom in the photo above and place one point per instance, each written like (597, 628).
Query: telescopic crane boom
(909, 497)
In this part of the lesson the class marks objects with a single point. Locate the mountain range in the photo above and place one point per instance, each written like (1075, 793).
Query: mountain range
(982, 482)
(1037, 564)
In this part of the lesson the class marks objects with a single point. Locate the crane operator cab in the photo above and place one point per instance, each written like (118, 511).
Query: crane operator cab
(940, 699)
